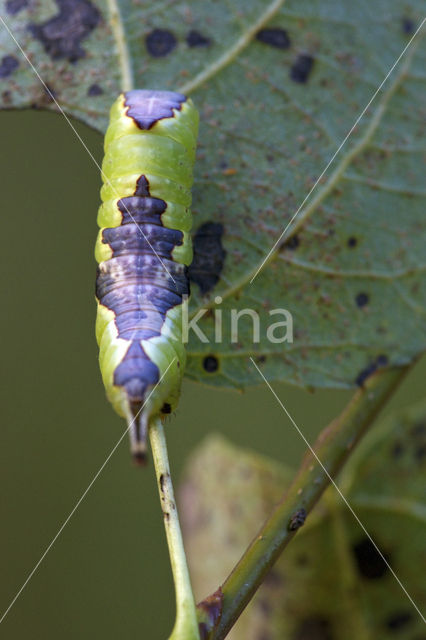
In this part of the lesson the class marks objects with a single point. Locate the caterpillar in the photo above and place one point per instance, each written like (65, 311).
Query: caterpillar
(144, 250)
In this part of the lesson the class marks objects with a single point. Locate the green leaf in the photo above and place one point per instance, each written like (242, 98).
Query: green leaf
(72, 48)
(209, 519)
(331, 578)
(351, 268)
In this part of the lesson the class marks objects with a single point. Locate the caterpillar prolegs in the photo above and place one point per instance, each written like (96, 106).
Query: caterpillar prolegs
(144, 250)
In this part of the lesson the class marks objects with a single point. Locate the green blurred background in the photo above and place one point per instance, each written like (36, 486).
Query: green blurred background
(107, 575)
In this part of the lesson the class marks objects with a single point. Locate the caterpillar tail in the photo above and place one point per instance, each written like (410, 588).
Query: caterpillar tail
(138, 433)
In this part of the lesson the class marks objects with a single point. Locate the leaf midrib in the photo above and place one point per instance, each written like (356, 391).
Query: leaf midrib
(330, 184)
(119, 36)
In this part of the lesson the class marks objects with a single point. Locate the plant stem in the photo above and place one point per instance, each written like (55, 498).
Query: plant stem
(333, 446)
(186, 624)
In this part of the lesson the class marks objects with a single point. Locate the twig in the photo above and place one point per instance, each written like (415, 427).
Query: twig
(186, 624)
(333, 446)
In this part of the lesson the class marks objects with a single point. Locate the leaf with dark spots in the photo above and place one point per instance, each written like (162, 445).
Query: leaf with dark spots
(272, 118)
(94, 90)
(381, 361)
(314, 628)
(419, 430)
(62, 35)
(223, 473)
(15, 6)
(209, 256)
(397, 450)
(8, 64)
(420, 453)
(362, 299)
(301, 68)
(408, 26)
(399, 621)
(370, 562)
(196, 39)
(160, 42)
(46, 98)
(49, 93)
(330, 582)
(277, 37)
(210, 364)
(365, 373)
(292, 243)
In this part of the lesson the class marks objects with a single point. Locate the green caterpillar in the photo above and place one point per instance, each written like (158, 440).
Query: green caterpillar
(144, 250)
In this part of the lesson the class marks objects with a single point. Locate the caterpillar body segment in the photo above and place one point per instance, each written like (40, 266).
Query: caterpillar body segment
(144, 250)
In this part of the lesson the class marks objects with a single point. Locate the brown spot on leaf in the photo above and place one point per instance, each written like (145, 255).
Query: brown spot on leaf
(419, 430)
(160, 42)
(275, 37)
(61, 36)
(94, 90)
(210, 364)
(370, 563)
(209, 256)
(314, 628)
(6, 98)
(420, 453)
(397, 450)
(8, 65)
(48, 95)
(196, 39)
(302, 560)
(381, 361)
(291, 244)
(408, 26)
(301, 68)
(362, 299)
(398, 621)
(15, 6)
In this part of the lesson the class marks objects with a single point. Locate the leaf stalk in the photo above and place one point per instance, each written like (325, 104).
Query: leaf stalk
(333, 447)
(186, 624)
